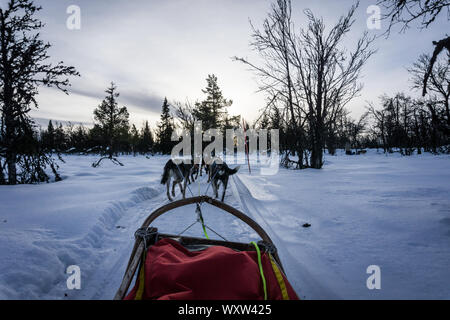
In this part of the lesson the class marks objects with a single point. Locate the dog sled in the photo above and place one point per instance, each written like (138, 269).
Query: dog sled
(177, 267)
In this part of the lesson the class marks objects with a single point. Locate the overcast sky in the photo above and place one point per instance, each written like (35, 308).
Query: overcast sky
(166, 48)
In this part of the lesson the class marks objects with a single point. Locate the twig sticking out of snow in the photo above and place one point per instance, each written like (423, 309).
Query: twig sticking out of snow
(114, 160)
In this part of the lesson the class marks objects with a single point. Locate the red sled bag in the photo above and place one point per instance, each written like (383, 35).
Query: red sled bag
(181, 267)
(172, 272)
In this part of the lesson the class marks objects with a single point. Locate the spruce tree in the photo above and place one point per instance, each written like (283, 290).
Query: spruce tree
(112, 122)
(213, 110)
(264, 123)
(146, 141)
(48, 139)
(134, 139)
(24, 66)
(165, 129)
(77, 139)
(60, 139)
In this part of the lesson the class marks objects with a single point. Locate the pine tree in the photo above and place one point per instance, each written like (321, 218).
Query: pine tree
(78, 139)
(165, 129)
(134, 139)
(24, 66)
(212, 111)
(146, 141)
(60, 139)
(264, 123)
(48, 137)
(112, 122)
(276, 121)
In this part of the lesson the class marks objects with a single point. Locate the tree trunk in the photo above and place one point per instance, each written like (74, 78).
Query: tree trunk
(300, 158)
(317, 148)
(331, 142)
(318, 134)
(2, 177)
(12, 172)
(316, 157)
(447, 111)
(11, 154)
(434, 126)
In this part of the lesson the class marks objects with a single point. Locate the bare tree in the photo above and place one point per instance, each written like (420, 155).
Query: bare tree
(439, 47)
(379, 124)
(184, 113)
(409, 124)
(274, 43)
(404, 12)
(439, 78)
(327, 74)
(309, 71)
(355, 128)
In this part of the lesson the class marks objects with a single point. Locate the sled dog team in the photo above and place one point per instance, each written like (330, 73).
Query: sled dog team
(183, 174)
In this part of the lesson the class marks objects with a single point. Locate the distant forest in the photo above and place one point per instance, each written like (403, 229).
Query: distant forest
(112, 134)
(307, 74)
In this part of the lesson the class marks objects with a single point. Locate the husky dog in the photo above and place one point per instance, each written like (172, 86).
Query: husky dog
(179, 173)
(198, 169)
(220, 173)
(208, 167)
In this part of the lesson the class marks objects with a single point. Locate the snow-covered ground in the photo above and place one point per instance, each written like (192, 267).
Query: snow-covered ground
(372, 209)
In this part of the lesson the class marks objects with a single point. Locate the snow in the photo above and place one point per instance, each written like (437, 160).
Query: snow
(371, 209)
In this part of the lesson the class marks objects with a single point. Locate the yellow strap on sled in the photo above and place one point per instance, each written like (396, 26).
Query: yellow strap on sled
(140, 291)
(280, 279)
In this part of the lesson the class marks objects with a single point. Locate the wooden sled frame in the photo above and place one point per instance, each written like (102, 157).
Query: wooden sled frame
(140, 246)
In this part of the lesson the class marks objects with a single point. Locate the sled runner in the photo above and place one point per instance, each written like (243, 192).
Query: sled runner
(187, 268)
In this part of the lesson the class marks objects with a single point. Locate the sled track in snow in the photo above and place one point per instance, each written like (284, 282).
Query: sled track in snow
(111, 240)
(307, 285)
(102, 282)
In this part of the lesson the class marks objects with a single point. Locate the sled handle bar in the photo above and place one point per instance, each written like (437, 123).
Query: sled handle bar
(139, 245)
(206, 199)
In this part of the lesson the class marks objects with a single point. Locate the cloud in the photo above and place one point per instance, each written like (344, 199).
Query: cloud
(143, 101)
(156, 49)
(133, 98)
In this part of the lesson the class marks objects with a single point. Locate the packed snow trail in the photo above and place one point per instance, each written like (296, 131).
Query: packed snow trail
(104, 282)
(304, 282)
